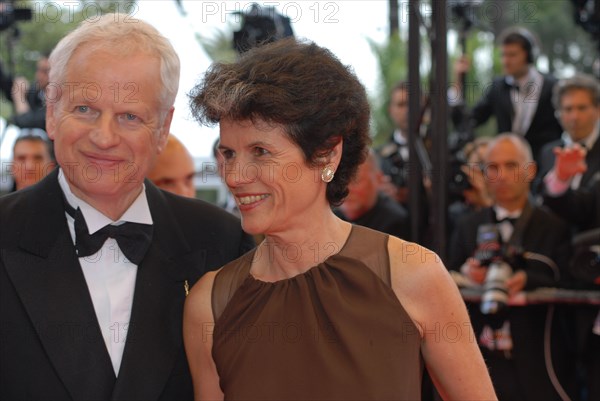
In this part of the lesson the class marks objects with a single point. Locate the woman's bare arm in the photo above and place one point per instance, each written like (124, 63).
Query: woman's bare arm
(198, 324)
(432, 300)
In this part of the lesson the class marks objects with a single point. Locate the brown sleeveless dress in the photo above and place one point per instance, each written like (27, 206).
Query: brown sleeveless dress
(335, 332)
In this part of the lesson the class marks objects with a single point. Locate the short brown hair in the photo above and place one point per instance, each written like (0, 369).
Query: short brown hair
(301, 87)
(578, 81)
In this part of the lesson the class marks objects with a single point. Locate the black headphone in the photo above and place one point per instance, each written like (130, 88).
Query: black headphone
(527, 40)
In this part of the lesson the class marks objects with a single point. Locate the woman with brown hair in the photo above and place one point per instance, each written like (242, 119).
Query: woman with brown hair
(321, 309)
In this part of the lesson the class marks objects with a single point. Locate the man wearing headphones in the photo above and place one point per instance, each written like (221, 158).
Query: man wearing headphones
(521, 99)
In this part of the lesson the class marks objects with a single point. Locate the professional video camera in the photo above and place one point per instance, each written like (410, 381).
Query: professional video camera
(9, 14)
(498, 260)
(260, 25)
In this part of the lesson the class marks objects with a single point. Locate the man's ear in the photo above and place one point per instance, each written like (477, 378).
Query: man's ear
(163, 134)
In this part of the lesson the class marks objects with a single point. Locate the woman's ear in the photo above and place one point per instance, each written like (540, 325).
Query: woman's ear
(335, 155)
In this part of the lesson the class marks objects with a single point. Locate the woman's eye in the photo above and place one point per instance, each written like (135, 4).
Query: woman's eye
(258, 151)
(227, 154)
(82, 109)
(130, 117)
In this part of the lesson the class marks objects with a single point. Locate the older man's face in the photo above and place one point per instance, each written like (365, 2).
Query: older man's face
(109, 124)
(508, 174)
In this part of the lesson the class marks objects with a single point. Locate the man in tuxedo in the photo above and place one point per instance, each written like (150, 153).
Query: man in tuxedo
(394, 153)
(581, 207)
(577, 102)
(394, 156)
(513, 341)
(95, 262)
(521, 99)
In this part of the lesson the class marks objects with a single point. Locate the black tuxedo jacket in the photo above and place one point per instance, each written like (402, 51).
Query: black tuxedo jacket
(386, 216)
(545, 234)
(592, 159)
(496, 102)
(580, 207)
(51, 347)
(527, 376)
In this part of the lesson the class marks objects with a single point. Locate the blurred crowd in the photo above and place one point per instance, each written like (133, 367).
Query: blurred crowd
(525, 216)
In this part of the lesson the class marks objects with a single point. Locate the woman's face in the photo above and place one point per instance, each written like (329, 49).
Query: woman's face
(267, 174)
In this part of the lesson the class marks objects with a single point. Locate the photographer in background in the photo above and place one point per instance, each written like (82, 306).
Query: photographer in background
(28, 100)
(522, 364)
(467, 189)
(581, 208)
(520, 100)
(394, 155)
(577, 102)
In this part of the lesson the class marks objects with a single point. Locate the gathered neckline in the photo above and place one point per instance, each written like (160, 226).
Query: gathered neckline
(304, 273)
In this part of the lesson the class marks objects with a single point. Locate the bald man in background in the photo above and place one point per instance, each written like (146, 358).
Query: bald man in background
(368, 207)
(174, 169)
(32, 157)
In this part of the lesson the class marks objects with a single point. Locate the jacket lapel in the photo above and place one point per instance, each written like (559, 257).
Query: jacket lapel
(46, 273)
(506, 102)
(154, 339)
(540, 111)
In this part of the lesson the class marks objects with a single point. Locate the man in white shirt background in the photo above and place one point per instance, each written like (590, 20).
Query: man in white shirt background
(577, 102)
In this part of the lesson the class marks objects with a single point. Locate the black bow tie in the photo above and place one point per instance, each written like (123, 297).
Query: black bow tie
(133, 238)
(511, 220)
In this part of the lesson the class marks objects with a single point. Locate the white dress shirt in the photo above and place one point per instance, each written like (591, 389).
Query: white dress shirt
(506, 228)
(403, 144)
(525, 99)
(109, 275)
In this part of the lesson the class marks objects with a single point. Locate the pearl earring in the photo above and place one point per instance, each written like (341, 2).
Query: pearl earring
(327, 173)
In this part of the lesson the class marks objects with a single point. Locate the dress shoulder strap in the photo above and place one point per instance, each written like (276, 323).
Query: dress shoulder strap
(228, 280)
(371, 248)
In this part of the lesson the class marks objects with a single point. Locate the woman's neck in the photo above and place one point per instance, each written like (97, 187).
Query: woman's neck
(286, 254)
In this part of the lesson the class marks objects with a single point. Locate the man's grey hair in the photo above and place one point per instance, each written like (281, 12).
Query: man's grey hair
(121, 36)
(517, 140)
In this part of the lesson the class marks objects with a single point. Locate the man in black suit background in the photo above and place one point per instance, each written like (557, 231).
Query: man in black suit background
(366, 206)
(577, 102)
(394, 159)
(95, 262)
(581, 207)
(522, 367)
(521, 99)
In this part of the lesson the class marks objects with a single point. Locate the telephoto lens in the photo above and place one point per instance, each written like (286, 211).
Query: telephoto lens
(489, 253)
(495, 294)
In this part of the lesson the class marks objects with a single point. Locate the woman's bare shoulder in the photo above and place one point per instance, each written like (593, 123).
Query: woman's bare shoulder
(421, 281)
